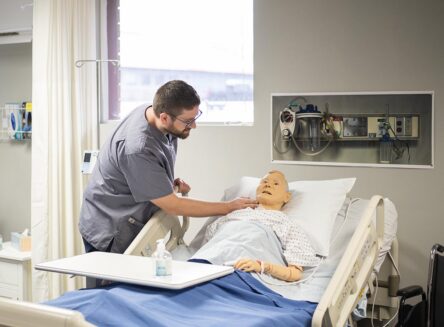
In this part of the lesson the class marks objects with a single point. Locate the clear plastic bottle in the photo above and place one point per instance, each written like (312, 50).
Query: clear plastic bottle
(385, 149)
(163, 259)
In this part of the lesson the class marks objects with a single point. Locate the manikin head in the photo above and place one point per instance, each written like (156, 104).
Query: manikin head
(176, 105)
(272, 192)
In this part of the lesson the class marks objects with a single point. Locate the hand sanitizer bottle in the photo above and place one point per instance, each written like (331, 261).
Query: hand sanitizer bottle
(163, 259)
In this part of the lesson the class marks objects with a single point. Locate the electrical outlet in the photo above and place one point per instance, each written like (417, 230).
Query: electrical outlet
(403, 126)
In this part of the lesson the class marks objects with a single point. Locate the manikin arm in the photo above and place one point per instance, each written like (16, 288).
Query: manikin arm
(291, 273)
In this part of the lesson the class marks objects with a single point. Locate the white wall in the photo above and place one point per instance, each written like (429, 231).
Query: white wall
(15, 15)
(332, 46)
(15, 156)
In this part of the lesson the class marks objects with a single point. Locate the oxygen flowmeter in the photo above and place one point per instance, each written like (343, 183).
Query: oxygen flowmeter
(287, 122)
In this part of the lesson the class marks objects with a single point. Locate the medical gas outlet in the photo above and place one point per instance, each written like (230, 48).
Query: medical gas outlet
(374, 127)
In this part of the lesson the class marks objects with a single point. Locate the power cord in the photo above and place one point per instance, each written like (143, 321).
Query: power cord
(394, 264)
(376, 292)
(374, 297)
(373, 306)
(399, 151)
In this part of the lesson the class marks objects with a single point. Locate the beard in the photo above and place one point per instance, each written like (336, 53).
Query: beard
(178, 133)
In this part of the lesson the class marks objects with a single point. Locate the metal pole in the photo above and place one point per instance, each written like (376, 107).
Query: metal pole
(98, 62)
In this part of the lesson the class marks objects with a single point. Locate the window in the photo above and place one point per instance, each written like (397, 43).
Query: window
(208, 44)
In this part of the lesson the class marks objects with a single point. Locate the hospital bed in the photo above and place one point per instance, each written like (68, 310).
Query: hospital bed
(356, 266)
(353, 264)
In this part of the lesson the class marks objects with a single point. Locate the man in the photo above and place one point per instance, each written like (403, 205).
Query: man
(134, 174)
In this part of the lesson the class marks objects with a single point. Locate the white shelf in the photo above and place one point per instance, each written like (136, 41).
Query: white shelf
(15, 273)
(9, 252)
(14, 124)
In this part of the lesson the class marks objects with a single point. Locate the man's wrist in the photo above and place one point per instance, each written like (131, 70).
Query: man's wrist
(228, 207)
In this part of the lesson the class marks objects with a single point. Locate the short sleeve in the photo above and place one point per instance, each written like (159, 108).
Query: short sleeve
(146, 176)
(298, 250)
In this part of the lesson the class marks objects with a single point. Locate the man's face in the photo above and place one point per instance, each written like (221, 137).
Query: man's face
(182, 124)
(272, 190)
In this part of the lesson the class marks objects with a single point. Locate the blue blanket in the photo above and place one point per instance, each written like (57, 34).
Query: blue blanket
(234, 300)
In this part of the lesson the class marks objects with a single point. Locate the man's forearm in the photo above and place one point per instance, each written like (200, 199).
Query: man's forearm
(175, 205)
(196, 208)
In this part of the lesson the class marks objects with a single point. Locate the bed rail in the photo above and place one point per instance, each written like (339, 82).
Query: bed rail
(157, 227)
(26, 314)
(354, 270)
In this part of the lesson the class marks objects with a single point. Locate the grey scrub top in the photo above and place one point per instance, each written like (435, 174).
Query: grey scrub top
(135, 165)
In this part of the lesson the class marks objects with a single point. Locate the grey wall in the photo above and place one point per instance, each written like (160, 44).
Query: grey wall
(15, 157)
(333, 46)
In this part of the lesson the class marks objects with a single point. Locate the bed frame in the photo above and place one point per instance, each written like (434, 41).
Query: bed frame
(354, 271)
(343, 292)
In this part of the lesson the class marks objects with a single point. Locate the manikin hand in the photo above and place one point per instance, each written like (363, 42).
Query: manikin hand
(291, 273)
(248, 265)
(182, 187)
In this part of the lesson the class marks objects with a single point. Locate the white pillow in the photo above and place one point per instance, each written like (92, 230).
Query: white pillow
(314, 204)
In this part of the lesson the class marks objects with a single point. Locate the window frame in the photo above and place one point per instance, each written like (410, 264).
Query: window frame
(111, 84)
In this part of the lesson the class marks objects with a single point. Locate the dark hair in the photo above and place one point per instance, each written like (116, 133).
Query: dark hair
(173, 97)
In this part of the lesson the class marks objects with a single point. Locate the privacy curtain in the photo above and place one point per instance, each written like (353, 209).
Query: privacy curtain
(64, 124)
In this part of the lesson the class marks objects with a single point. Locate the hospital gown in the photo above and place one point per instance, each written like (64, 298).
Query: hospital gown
(295, 246)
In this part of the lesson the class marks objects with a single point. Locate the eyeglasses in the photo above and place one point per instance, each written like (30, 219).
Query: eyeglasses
(189, 122)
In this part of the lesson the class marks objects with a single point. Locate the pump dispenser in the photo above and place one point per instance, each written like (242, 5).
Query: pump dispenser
(163, 259)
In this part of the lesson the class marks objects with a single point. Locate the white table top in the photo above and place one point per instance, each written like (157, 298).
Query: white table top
(135, 270)
(8, 252)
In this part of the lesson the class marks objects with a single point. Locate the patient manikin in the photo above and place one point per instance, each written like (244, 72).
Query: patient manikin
(261, 240)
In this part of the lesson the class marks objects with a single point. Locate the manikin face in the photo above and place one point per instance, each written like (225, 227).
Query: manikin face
(181, 125)
(272, 191)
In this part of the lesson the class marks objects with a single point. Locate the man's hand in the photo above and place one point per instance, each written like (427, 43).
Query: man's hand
(242, 203)
(248, 265)
(183, 187)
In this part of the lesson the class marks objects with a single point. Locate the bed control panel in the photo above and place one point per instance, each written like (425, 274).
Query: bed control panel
(351, 286)
(367, 246)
